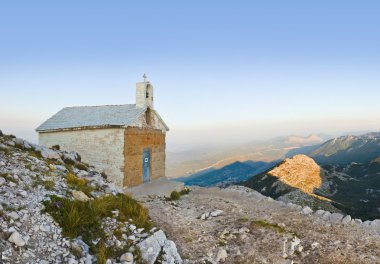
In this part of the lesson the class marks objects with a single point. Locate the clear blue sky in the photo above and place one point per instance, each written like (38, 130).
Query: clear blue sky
(247, 69)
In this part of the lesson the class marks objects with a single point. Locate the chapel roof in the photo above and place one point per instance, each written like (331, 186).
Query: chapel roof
(94, 117)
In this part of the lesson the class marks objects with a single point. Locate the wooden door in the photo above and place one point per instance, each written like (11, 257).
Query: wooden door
(146, 165)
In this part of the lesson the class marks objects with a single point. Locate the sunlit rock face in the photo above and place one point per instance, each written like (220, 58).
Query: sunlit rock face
(300, 172)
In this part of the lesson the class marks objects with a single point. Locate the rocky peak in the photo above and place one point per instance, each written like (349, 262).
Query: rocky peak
(300, 172)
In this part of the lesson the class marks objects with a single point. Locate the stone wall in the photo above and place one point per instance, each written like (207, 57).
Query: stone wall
(136, 139)
(102, 148)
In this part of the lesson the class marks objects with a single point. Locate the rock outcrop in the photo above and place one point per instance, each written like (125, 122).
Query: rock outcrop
(299, 172)
(298, 179)
(56, 209)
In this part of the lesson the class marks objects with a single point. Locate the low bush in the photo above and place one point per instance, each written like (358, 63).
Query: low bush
(78, 218)
(268, 225)
(56, 147)
(175, 196)
(274, 227)
(104, 175)
(79, 184)
(49, 185)
(185, 191)
(81, 166)
(8, 177)
(35, 153)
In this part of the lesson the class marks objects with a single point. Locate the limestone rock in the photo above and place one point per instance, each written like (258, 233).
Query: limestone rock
(216, 213)
(221, 255)
(204, 216)
(171, 255)
(14, 215)
(2, 181)
(151, 247)
(335, 218)
(306, 210)
(127, 257)
(320, 212)
(17, 239)
(80, 196)
(346, 219)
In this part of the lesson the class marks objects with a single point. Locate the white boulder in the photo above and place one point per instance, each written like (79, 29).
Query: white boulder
(80, 196)
(127, 257)
(335, 218)
(17, 239)
(221, 255)
(306, 210)
(216, 213)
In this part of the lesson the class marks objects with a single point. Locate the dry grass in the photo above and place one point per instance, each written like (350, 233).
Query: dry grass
(79, 184)
(8, 177)
(84, 219)
(265, 224)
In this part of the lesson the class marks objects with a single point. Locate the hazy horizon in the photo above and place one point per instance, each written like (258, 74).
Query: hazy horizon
(224, 73)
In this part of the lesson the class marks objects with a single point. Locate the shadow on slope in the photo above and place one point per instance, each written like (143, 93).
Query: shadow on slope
(233, 173)
(353, 189)
(357, 194)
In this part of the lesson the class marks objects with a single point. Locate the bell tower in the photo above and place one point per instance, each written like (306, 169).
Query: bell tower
(144, 93)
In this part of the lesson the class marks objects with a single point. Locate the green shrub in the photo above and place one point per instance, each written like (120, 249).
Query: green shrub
(78, 218)
(104, 175)
(69, 162)
(175, 196)
(79, 184)
(8, 137)
(265, 224)
(56, 147)
(19, 146)
(8, 177)
(35, 153)
(81, 166)
(185, 191)
(49, 185)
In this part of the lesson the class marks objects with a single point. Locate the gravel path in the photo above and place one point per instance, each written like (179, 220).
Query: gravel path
(257, 229)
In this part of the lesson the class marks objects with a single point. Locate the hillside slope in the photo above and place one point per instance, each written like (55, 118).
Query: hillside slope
(353, 188)
(345, 150)
(248, 227)
(56, 209)
(295, 179)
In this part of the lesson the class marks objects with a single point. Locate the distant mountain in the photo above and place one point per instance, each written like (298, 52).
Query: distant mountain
(233, 173)
(353, 188)
(294, 140)
(187, 163)
(343, 150)
(347, 149)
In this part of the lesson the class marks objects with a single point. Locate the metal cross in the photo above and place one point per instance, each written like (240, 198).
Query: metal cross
(144, 76)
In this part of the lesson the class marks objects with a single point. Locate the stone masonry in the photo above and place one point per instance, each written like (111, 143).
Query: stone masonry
(102, 148)
(135, 142)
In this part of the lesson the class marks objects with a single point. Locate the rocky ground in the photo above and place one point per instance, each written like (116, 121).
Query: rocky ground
(34, 180)
(239, 225)
(39, 187)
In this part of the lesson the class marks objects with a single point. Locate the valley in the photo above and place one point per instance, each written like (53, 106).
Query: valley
(341, 174)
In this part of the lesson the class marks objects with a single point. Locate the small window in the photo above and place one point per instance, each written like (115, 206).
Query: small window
(147, 95)
(148, 117)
